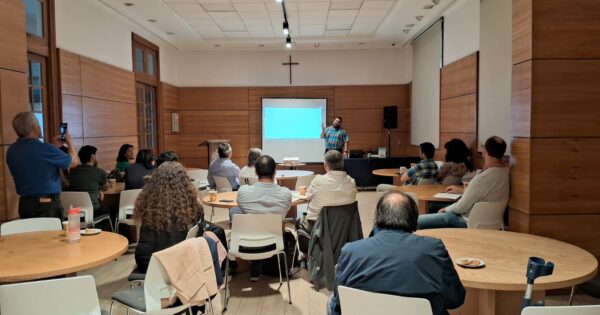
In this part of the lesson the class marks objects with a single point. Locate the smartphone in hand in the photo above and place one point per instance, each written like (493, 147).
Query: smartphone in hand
(63, 131)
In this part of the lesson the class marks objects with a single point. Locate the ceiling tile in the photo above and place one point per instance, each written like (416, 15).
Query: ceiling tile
(207, 28)
(254, 15)
(377, 5)
(337, 33)
(199, 22)
(313, 14)
(180, 1)
(342, 14)
(340, 20)
(262, 34)
(368, 19)
(309, 20)
(339, 26)
(365, 27)
(257, 22)
(224, 16)
(237, 34)
(346, 5)
(372, 13)
(186, 6)
(218, 7)
(193, 15)
(249, 7)
(315, 6)
(312, 30)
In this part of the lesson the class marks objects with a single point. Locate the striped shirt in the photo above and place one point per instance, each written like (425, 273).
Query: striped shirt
(335, 139)
(426, 169)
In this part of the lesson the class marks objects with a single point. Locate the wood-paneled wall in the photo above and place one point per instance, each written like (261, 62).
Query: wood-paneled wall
(98, 103)
(555, 120)
(458, 102)
(235, 113)
(13, 93)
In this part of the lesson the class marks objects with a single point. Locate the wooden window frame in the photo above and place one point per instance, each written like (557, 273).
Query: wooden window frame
(44, 77)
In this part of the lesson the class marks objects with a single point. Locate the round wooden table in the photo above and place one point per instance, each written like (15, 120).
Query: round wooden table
(232, 195)
(115, 189)
(287, 178)
(37, 255)
(425, 194)
(498, 288)
(390, 172)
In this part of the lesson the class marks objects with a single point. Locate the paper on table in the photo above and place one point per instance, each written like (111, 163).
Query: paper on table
(447, 196)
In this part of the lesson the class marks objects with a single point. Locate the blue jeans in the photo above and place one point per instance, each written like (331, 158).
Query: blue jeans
(234, 210)
(440, 220)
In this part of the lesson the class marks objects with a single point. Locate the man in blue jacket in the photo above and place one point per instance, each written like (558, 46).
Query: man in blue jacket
(396, 261)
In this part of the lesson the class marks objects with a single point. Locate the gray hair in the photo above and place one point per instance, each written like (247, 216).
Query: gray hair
(224, 150)
(334, 160)
(24, 123)
(253, 155)
(397, 211)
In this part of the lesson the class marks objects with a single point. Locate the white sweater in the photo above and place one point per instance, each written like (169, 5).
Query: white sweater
(490, 185)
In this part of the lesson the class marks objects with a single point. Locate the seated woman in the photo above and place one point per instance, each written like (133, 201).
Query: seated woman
(144, 166)
(248, 170)
(457, 162)
(125, 154)
(165, 210)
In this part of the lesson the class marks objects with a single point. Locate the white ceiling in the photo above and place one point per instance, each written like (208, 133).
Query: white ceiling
(257, 24)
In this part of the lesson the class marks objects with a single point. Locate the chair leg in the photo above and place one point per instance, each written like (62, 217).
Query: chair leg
(279, 266)
(287, 277)
(111, 307)
(212, 213)
(226, 298)
(117, 225)
(571, 295)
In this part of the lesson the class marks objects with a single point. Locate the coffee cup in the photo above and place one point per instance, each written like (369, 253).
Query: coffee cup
(65, 226)
(302, 190)
(112, 182)
(412, 165)
(213, 195)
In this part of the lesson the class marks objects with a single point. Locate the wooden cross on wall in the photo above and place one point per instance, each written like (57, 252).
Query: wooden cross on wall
(290, 64)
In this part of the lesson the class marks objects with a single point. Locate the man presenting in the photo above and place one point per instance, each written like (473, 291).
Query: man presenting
(335, 137)
(36, 168)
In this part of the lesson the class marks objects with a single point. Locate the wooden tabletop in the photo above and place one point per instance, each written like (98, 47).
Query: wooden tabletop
(506, 255)
(37, 255)
(232, 195)
(425, 192)
(116, 189)
(281, 174)
(390, 172)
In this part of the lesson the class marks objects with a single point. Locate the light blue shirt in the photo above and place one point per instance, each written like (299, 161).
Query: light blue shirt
(264, 198)
(226, 168)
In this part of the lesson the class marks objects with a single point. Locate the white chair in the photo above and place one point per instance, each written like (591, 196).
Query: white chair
(359, 302)
(82, 200)
(146, 298)
(562, 310)
(248, 180)
(74, 296)
(439, 164)
(126, 207)
(304, 181)
(256, 237)
(487, 215)
(222, 183)
(427, 181)
(199, 176)
(30, 225)
(451, 180)
(193, 232)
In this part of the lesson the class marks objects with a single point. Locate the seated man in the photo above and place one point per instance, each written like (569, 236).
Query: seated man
(386, 262)
(223, 166)
(263, 197)
(426, 169)
(88, 177)
(334, 188)
(490, 185)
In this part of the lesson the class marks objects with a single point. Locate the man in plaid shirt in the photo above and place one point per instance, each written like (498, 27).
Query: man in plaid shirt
(335, 137)
(426, 169)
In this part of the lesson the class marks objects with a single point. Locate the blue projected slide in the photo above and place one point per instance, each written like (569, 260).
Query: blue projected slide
(292, 123)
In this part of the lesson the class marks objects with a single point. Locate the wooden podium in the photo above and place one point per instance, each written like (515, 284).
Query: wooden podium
(213, 147)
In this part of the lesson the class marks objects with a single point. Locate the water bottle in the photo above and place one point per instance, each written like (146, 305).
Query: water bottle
(74, 225)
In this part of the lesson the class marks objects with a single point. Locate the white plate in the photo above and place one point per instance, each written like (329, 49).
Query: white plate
(90, 231)
(469, 262)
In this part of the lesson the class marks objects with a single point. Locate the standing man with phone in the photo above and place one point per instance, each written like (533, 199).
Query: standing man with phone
(36, 166)
(335, 137)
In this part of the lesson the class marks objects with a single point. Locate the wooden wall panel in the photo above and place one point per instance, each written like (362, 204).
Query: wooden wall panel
(13, 44)
(213, 98)
(10, 192)
(108, 148)
(255, 95)
(4, 216)
(72, 114)
(459, 114)
(522, 33)
(171, 143)
(520, 111)
(103, 118)
(13, 100)
(579, 230)
(470, 140)
(70, 72)
(520, 171)
(217, 122)
(361, 120)
(255, 140)
(103, 81)
(188, 144)
(459, 78)
(169, 96)
(370, 96)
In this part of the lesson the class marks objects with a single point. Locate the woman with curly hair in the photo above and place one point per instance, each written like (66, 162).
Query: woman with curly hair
(165, 210)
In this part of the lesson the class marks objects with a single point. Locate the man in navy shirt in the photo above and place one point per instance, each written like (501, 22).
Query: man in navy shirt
(36, 167)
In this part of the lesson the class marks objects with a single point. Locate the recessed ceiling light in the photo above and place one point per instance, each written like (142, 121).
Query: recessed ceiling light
(428, 7)
(436, 2)
(317, 45)
(419, 17)
(128, 4)
(410, 25)
(170, 33)
(361, 43)
(406, 30)
(217, 45)
(151, 20)
(261, 45)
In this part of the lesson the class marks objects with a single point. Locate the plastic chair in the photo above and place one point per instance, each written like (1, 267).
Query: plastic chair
(256, 237)
(145, 299)
(562, 310)
(126, 207)
(222, 183)
(76, 295)
(82, 200)
(30, 225)
(487, 215)
(359, 302)
(199, 176)
(248, 180)
(427, 181)
(304, 181)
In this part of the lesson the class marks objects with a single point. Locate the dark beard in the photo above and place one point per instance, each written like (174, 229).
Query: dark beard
(337, 128)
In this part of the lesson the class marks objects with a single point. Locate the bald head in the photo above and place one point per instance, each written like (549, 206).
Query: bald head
(397, 211)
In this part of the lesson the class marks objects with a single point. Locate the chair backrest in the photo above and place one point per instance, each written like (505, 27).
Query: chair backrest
(30, 225)
(78, 199)
(451, 180)
(248, 180)
(199, 176)
(193, 232)
(256, 230)
(427, 181)
(76, 295)
(156, 285)
(439, 164)
(222, 183)
(358, 302)
(487, 215)
(127, 202)
(562, 310)
(304, 181)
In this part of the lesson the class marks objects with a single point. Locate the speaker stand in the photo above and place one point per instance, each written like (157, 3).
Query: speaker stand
(389, 150)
